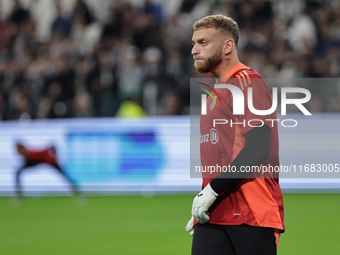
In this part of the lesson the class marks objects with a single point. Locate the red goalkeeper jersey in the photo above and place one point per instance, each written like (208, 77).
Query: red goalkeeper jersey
(256, 202)
(47, 156)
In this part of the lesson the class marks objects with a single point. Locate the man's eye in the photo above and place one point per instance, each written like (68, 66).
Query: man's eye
(204, 43)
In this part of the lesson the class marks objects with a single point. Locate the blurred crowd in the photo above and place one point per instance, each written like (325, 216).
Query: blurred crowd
(135, 60)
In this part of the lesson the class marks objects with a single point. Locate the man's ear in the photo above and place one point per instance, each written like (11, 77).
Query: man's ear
(228, 46)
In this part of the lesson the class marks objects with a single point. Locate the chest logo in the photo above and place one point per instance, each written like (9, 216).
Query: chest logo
(214, 137)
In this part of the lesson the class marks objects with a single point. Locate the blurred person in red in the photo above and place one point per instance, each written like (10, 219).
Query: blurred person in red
(36, 157)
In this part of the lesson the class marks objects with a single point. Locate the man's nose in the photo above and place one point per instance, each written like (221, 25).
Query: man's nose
(194, 50)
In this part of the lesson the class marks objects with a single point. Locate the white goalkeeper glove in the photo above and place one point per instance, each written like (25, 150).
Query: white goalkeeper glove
(190, 226)
(202, 202)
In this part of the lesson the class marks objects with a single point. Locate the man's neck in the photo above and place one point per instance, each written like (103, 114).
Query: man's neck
(226, 65)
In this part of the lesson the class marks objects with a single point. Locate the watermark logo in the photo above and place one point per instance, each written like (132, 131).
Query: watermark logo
(238, 100)
(213, 103)
(204, 97)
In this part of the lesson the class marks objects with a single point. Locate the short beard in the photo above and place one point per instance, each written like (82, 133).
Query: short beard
(210, 63)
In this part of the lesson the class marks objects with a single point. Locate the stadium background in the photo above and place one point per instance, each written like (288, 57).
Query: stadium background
(72, 71)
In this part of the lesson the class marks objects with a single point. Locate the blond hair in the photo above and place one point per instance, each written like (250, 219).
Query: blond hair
(226, 24)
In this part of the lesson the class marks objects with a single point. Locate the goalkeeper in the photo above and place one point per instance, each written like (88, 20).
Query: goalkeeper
(35, 157)
(235, 213)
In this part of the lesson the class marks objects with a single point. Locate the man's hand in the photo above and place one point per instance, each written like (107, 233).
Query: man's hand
(202, 202)
(190, 226)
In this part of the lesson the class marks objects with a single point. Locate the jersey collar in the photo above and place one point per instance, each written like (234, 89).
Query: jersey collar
(234, 70)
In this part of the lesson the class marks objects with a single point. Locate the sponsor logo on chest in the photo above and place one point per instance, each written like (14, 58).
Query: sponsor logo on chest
(213, 137)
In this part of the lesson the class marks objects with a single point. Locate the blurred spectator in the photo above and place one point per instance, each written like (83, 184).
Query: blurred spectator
(61, 26)
(82, 105)
(81, 10)
(84, 35)
(154, 9)
(131, 109)
(171, 104)
(130, 75)
(302, 34)
(103, 85)
(19, 14)
(187, 6)
(112, 28)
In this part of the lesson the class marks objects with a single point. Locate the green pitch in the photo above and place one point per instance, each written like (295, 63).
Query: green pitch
(137, 225)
